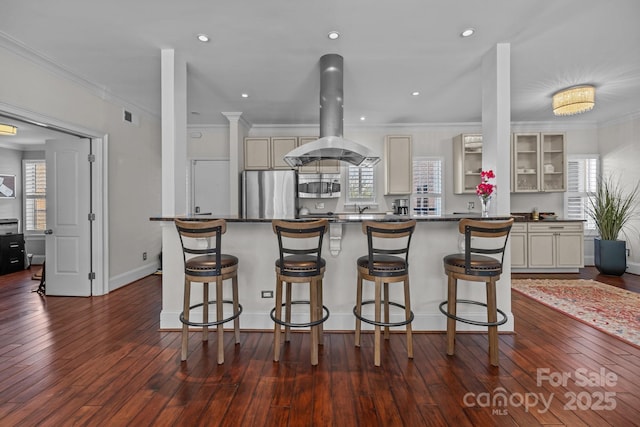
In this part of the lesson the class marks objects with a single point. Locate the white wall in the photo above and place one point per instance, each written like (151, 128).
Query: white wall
(11, 164)
(619, 147)
(134, 154)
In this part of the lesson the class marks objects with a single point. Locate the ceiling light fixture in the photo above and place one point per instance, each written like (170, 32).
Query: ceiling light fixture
(8, 129)
(245, 95)
(468, 32)
(333, 35)
(363, 118)
(574, 100)
(203, 38)
(416, 93)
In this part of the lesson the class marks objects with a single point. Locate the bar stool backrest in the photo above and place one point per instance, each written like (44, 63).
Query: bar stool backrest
(483, 230)
(202, 238)
(300, 230)
(388, 230)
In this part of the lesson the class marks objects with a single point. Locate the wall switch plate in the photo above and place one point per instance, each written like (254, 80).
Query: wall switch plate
(470, 206)
(267, 294)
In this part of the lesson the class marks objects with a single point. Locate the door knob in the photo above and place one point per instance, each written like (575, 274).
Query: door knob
(49, 231)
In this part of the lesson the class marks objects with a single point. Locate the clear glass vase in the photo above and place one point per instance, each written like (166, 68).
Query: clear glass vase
(484, 202)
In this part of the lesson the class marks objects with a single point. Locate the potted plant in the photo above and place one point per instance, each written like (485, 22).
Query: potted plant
(611, 209)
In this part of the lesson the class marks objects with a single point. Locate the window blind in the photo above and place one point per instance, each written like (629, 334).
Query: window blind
(360, 185)
(427, 197)
(35, 195)
(582, 175)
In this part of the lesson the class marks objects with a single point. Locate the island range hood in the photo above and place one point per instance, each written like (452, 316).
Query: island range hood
(331, 145)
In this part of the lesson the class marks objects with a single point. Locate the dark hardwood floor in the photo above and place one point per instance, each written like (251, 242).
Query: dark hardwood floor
(103, 361)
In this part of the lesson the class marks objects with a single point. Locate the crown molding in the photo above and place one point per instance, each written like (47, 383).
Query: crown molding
(50, 65)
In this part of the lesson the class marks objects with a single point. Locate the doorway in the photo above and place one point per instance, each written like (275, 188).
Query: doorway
(94, 270)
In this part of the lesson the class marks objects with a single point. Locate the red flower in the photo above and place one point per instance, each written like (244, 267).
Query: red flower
(485, 188)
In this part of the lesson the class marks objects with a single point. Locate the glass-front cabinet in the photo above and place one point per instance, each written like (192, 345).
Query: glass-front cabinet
(539, 162)
(467, 163)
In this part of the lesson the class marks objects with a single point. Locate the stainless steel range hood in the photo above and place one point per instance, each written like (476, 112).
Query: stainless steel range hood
(331, 145)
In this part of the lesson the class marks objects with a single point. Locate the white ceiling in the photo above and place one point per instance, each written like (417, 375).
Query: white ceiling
(270, 50)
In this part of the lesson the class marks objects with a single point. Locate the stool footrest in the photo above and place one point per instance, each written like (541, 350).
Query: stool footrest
(469, 321)
(390, 324)
(215, 322)
(299, 325)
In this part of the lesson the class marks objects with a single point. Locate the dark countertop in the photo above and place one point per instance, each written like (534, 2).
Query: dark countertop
(347, 218)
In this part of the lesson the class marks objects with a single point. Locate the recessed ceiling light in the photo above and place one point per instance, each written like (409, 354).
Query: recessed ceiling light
(363, 118)
(245, 95)
(195, 113)
(416, 93)
(468, 32)
(203, 38)
(333, 35)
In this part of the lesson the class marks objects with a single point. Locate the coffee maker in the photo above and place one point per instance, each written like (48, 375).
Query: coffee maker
(402, 207)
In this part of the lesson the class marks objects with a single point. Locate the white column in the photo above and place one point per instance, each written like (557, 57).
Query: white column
(496, 150)
(174, 179)
(496, 123)
(174, 133)
(235, 151)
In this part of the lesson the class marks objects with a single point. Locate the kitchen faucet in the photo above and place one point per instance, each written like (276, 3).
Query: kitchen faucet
(360, 210)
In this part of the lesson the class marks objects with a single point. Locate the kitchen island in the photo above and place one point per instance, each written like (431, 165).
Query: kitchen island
(255, 244)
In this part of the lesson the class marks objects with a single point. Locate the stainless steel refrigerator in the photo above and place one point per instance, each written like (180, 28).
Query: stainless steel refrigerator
(270, 194)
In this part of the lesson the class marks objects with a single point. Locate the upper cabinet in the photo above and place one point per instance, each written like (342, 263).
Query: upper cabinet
(262, 153)
(398, 165)
(467, 163)
(539, 162)
(321, 166)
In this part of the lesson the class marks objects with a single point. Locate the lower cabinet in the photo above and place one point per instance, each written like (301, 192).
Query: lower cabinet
(518, 239)
(550, 246)
(11, 253)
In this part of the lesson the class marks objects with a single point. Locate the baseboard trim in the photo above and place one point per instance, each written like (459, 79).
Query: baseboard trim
(133, 275)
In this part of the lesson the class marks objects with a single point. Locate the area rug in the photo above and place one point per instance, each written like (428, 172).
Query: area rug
(609, 309)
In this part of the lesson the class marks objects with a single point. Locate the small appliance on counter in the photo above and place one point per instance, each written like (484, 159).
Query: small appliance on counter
(401, 206)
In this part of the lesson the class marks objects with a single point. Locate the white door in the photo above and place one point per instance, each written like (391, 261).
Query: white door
(210, 184)
(68, 243)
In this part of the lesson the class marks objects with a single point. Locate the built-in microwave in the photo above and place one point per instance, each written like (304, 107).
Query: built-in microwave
(319, 185)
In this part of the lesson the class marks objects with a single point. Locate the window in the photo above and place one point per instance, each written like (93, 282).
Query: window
(360, 184)
(427, 197)
(35, 195)
(582, 174)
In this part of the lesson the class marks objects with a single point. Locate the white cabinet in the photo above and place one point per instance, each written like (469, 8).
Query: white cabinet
(539, 162)
(267, 152)
(467, 163)
(553, 162)
(555, 245)
(398, 165)
(322, 166)
(518, 238)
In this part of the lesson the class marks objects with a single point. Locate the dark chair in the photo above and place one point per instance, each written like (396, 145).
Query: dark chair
(476, 265)
(203, 239)
(299, 261)
(384, 264)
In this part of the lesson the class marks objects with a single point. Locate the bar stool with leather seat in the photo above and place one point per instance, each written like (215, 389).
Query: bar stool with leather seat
(477, 265)
(299, 261)
(384, 264)
(203, 239)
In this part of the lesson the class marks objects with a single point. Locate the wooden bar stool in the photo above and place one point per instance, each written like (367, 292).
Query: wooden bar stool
(383, 266)
(203, 239)
(476, 265)
(300, 261)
